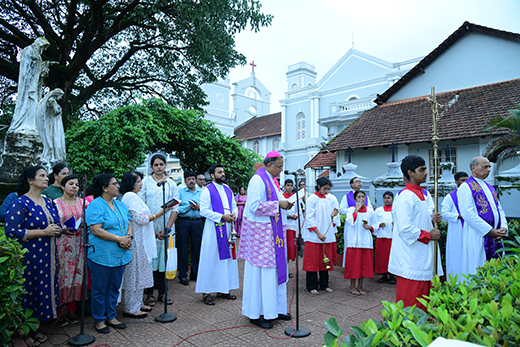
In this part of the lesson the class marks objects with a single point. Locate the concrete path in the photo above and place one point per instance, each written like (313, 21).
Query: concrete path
(194, 316)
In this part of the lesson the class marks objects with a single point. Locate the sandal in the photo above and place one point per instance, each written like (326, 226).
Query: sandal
(30, 341)
(208, 300)
(228, 296)
(168, 301)
(150, 301)
(136, 315)
(73, 320)
(39, 336)
(146, 308)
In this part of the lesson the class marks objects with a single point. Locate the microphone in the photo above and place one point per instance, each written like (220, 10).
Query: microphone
(162, 183)
(287, 172)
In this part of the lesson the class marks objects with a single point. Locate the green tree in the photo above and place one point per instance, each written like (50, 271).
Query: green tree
(109, 53)
(118, 141)
(506, 143)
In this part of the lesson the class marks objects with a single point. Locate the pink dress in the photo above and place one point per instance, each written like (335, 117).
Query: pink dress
(70, 254)
(238, 221)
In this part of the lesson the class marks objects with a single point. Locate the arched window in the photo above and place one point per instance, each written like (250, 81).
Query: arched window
(252, 109)
(276, 143)
(300, 127)
(294, 86)
(256, 147)
(252, 93)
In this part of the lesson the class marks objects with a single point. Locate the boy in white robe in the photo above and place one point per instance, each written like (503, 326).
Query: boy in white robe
(218, 268)
(383, 230)
(411, 255)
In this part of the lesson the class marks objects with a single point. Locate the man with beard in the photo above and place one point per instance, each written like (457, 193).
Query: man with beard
(218, 269)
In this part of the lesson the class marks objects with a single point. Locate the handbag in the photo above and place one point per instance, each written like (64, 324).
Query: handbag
(171, 264)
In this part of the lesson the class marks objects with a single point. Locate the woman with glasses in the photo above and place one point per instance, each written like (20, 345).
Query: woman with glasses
(110, 234)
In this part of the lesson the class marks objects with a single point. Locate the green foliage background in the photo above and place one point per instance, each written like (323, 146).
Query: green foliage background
(118, 141)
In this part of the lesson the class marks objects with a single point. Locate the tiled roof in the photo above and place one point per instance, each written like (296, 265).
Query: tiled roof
(410, 121)
(325, 173)
(322, 159)
(465, 28)
(263, 126)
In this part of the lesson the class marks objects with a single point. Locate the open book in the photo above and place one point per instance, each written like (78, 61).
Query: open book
(301, 195)
(72, 223)
(171, 203)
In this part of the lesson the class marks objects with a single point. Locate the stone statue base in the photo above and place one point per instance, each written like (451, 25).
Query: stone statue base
(21, 150)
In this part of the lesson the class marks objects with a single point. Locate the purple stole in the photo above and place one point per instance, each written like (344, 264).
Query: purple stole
(455, 199)
(351, 201)
(277, 225)
(220, 228)
(485, 212)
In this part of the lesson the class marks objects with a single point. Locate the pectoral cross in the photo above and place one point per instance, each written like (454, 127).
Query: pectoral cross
(279, 242)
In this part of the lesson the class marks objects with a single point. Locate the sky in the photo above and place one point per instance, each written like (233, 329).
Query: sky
(319, 32)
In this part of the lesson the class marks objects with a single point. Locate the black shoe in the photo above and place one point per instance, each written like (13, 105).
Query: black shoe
(262, 323)
(184, 281)
(116, 326)
(283, 316)
(104, 330)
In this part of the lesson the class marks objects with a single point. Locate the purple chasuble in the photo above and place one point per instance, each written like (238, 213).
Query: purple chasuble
(456, 203)
(351, 201)
(277, 225)
(220, 228)
(485, 212)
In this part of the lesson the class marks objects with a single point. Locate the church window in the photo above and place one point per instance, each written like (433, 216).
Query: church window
(252, 109)
(256, 147)
(300, 127)
(294, 86)
(442, 159)
(252, 93)
(276, 143)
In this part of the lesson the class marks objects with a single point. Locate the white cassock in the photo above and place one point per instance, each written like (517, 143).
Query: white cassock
(410, 258)
(475, 228)
(319, 212)
(343, 206)
(454, 238)
(215, 275)
(382, 216)
(262, 295)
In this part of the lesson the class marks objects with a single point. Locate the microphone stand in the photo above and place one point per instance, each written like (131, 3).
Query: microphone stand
(298, 331)
(83, 339)
(165, 317)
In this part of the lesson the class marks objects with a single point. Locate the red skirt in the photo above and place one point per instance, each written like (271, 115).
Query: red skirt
(409, 290)
(383, 246)
(313, 256)
(359, 262)
(291, 244)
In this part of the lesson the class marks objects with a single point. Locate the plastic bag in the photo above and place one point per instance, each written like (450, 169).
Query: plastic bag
(171, 264)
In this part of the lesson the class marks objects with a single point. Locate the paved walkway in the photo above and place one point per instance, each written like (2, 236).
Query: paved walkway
(193, 317)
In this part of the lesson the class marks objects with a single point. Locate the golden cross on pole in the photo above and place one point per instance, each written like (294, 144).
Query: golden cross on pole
(435, 140)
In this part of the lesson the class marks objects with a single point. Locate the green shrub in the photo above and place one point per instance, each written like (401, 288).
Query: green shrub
(11, 287)
(485, 310)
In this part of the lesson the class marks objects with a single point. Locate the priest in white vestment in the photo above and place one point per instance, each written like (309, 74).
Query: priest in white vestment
(450, 211)
(484, 219)
(263, 246)
(218, 268)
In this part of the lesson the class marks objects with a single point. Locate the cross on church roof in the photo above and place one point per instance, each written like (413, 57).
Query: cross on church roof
(253, 65)
(393, 148)
(349, 150)
(447, 150)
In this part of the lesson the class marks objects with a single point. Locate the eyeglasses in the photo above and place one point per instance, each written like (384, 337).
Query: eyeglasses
(279, 167)
(114, 183)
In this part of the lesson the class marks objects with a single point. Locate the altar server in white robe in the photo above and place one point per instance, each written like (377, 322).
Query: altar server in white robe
(411, 255)
(218, 269)
(450, 211)
(383, 230)
(263, 246)
(484, 219)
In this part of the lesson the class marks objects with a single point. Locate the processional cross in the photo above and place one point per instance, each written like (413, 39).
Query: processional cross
(393, 148)
(349, 150)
